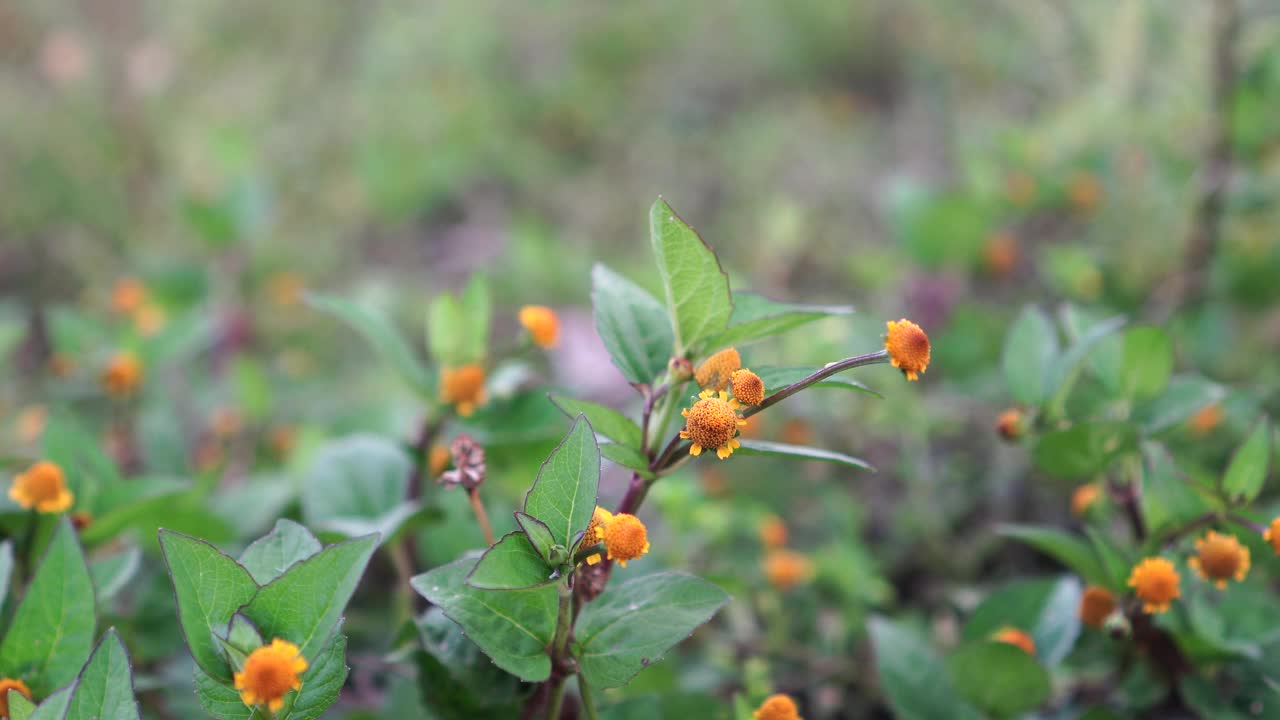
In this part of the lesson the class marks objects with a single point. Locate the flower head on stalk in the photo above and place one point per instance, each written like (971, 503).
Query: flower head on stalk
(712, 422)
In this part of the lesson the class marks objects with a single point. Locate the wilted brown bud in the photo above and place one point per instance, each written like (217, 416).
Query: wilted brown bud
(468, 463)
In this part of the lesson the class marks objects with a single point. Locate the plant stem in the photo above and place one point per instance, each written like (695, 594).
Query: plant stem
(560, 646)
(482, 518)
(826, 372)
(588, 702)
(557, 700)
(404, 574)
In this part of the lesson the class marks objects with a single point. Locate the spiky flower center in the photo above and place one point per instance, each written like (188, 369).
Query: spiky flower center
(1155, 582)
(748, 388)
(625, 538)
(908, 347)
(716, 371)
(269, 673)
(1221, 558)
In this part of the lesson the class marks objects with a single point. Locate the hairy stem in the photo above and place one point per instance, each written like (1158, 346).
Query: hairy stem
(482, 517)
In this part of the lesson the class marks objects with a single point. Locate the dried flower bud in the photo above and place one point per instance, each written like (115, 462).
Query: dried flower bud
(468, 463)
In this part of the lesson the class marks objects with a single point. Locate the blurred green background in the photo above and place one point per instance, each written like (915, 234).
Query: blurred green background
(945, 162)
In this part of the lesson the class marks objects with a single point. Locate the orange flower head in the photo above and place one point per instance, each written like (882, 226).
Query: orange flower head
(31, 422)
(785, 569)
(127, 296)
(1085, 191)
(716, 371)
(1001, 254)
(542, 323)
(1155, 582)
(122, 375)
(595, 532)
(42, 487)
(773, 532)
(778, 707)
(438, 460)
(712, 422)
(7, 684)
(748, 388)
(1221, 558)
(463, 387)
(1206, 419)
(1272, 534)
(1010, 424)
(269, 674)
(1096, 604)
(908, 348)
(625, 538)
(1084, 497)
(1013, 636)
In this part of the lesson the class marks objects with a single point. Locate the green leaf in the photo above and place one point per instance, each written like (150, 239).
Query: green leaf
(1029, 351)
(111, 573)
(321, 683)
(1084, 449)
(1148, 362)
(606, 421)
(210, 586)
(52, 630)
(1058, 626)
(1184, 396)
(268, 557)
(220, 699)
(6, 568)
(1066, 367)
(1248, 469)
(476, 314)
(564, 495)
(511, 564)
(88, 469)
(358, 483)
(755, 317)
(1168, 499)
(305, 605)
(634, 623)
(461, 682)
(105, 687)
(912, 675)
(20, 708)
(513, 627)
(538, 533)
(386, 341)
(1073, 552)
(633, 325)
(776, 378)
(446, 331)
(241, 639)
(627, 457)
(762, 447)
(53, 707)
(999, 678)
(1045, 609)
(697, 289)
(1114, 564)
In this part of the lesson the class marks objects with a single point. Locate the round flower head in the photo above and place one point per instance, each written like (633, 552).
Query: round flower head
(1221, 558)
(1017, 638)
(784, 569)
(463, 387)
(1010, 425)
(595, 532)
(1155, 582)
(1096, 604)
(1205, 420)
(542, 324)
(7, 684)
(269, 673)
(773, 532)
(748, 388)
(625, 538)
(908, 348)
(122, 375)
(1084, 497)
(778, 707)
(127, 296)
(1272, 534)
(712, 422)
(42, 487)
(716, 371)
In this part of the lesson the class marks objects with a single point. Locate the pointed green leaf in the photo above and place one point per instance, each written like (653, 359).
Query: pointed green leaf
(1084, 449)
(633, 325)
(210, 586)
(763, 447)
(268, 557)
(913, 677)
(776, 378)
(627, 457)
(1066, 367)
(511, 564)
(476, 314)
(20, 708)
(564, 495)
(1073, 552)
(105, 687)
(513, 627)
(999, 678)
(1115, 565)
(321, 683)
(359, 481)
(697, 289)
(1248, 469)
(606, 421)
(1168, 498)
(635, 622)
(756, 317)
(1148, 362)
(51, 633)
(1029, 351)
(305, 604)
(89, 471)
(53, 707)
(1184, 396)
(386, 341)
(220, 699)
(538, 533)
(457, 676)
(111, 573)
